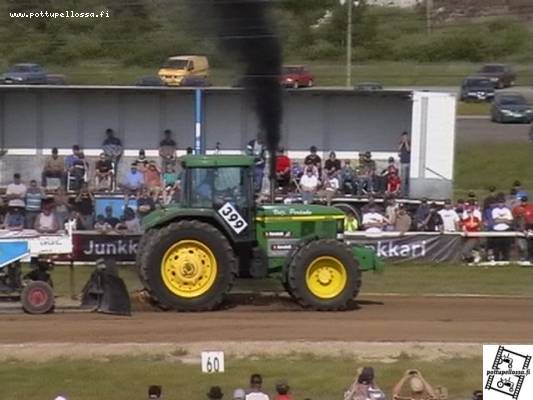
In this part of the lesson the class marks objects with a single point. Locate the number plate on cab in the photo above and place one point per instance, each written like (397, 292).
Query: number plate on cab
(233, 218)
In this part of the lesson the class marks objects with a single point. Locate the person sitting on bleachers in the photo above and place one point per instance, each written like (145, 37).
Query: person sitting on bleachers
(283, 169)
(47, 221)
(78, 172)
(103, 175)
(348, 178)
(133, 182)
(101, 225)
(152, 177)
(142, 161)
(54, 167)
(14, 219)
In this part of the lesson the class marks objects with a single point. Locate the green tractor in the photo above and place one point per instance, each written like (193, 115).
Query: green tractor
(192, 252)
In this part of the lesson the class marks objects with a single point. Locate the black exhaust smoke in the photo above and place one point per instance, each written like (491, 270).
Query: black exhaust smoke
(244, 29)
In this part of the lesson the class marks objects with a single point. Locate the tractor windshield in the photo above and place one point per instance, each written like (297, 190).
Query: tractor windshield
(214, 187)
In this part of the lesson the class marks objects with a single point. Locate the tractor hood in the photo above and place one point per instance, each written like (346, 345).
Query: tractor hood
(298, 211)
(165, 215)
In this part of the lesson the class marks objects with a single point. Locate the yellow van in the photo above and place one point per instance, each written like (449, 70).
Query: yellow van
(176, 68)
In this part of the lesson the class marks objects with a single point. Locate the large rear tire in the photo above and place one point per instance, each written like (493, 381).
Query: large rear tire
(324, 276)
(188, 266)
(37, 298)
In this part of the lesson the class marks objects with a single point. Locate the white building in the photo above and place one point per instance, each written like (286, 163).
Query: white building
(394, 3)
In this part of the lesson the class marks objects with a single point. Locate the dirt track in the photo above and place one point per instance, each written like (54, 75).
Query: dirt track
(425, 319)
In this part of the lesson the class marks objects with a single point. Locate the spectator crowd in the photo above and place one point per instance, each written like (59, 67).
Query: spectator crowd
(65, 197)
(411, 386)
(66, 194)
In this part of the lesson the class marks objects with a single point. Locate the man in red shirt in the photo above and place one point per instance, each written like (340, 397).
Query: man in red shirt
(523, 215)
(283, 169)
(470, 224)
(393, 183)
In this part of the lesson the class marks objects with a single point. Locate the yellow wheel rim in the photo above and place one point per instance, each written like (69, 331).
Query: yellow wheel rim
(326, 277)
(189, 268)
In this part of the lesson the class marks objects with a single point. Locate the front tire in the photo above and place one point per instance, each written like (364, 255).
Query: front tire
(324, 276)
(188, 266)
(37, 298)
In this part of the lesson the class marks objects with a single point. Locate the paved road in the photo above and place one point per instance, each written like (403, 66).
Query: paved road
(482, 129)
(386, 318)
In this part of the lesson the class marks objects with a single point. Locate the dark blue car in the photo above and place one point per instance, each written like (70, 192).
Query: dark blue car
(25, 74)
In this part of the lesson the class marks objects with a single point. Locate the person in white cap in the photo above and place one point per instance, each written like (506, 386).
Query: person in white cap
(60, 398)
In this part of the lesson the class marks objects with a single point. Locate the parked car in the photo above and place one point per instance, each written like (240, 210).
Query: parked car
(30, 74)
(501, 74)
(25, 74)
(368, 86)
(149, 81)
(175, 69)
(195, 81)
(477, 88)
(296, 76)
(511, 107)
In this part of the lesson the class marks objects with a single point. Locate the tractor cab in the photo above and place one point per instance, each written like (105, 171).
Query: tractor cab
(223, 185)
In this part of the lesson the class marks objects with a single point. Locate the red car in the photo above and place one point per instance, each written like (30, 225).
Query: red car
(296, 76)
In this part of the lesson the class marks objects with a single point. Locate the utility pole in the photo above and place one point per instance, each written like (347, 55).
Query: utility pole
(349, 27)
(429, 11)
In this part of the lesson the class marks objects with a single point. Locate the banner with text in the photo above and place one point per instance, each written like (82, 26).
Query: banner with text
(413, 247)
(90, 246)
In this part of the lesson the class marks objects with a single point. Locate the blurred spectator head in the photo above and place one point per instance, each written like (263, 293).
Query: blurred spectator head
(33, 184)
(433, 206)
(523, 199)
(472, 195)
(492, 189)
(401, 209)
(332, 155)
(54, 151)
(513, 191)
(477, 395)
(448, 204)
(281, 150)
(424, 200)
(133, 167)
(167, 133)
(517, 184)
(256, 381)
(75, 149)
(169, 167)
(100, 219)
(405, 134)
(152, 166)
(102, 156)
(309, 171)
(189, 150)
(109, 132)
(81, 155)
(391, 160)
(154, 392)
(366, 377)
(60, 398)
(109, 211)
(215, 393)
(347, 162)
(500, 199)
(367, 155)
(239, 394)
(313, 149)
(282, 387)
(16, 178)
(142, 153)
